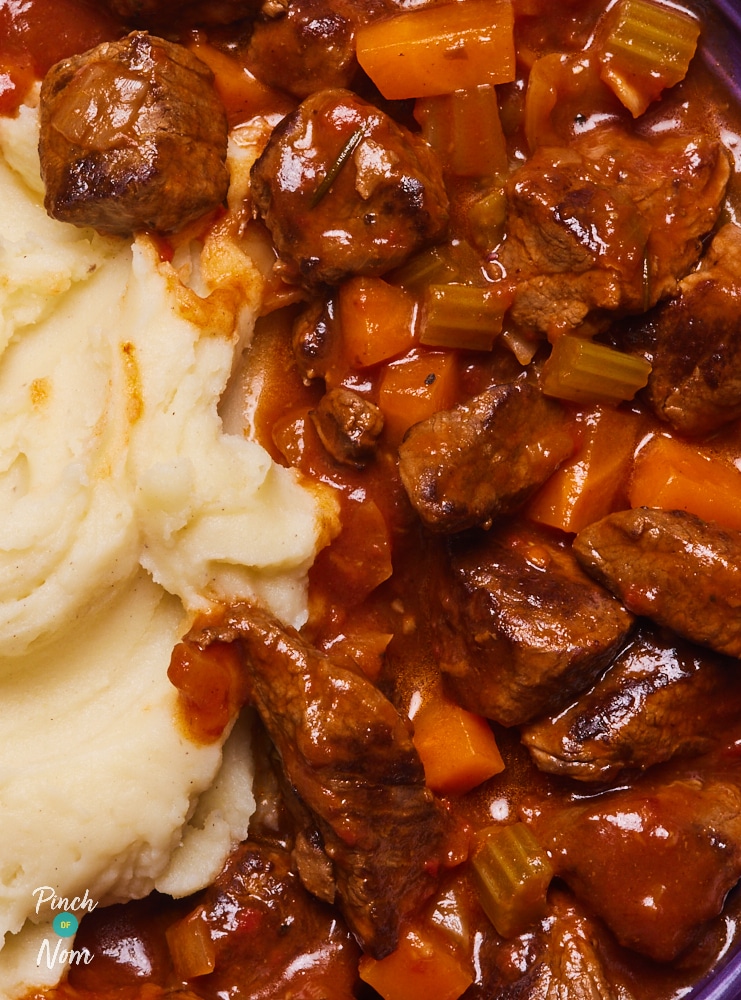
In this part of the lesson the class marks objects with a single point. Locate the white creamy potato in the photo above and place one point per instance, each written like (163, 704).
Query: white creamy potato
(124, 509)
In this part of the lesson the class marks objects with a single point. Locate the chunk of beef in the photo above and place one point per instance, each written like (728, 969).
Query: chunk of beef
(607, 226)
(660, 698)
(257, 907)
(656, 860)
(351, 760)
(522, 628)
(179, 14)
(348, 426)
(133, 137)
(672, 567)
(483, 458)
(316, 338)
(305, 46)
(345, 190)
(569, 963)
(695, 343)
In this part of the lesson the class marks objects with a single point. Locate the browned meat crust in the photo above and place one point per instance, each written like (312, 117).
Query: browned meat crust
(608, 226)
(523, 629)
(672, 567)
(133, 137)
(348, 425)
(660, 698)
(627, 854)
(345, 190)
(464, 466)
(695, 382)
(351, 760)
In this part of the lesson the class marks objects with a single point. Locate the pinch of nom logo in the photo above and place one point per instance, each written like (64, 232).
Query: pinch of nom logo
(64, 924)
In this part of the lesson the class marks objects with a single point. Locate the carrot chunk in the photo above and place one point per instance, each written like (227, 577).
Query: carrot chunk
(438, 50)
(457, 747)
(415, 387)
(420, 968)
(593, 483)
(674, 475)
(377, 321)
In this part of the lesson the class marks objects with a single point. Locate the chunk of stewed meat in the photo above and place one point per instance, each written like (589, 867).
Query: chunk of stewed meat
(348, 425)
(258, 907)
(483, 458)
(350, 758)
(607, 227)
(660, 698)
(522, 629)
(345, 190)
(169, 14)
(672, 567)
(695, 343)
(569, 963)
(655, 860)
(133, 137)
(306, 46)
(316, 338)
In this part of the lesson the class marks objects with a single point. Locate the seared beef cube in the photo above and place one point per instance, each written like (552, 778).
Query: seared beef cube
(350, 759)
(483, 458)
(348, 426)
(316, 338)
(166, 14)
(569, 964)
(345, 190)
(695, 383)
(263, 924)
(133, 137)
(660, 698)
(672, 567)
(607, 226)
(523, 630)
(304, 47)
(655, 860)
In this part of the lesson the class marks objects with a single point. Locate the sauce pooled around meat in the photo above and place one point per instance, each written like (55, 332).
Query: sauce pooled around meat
(501, 758)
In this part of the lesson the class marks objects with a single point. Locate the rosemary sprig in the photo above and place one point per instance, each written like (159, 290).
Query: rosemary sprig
(342, 157)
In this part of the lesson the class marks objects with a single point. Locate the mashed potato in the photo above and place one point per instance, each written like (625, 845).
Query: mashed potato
(124, 508)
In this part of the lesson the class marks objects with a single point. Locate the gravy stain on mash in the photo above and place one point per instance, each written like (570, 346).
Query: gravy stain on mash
(124, 509)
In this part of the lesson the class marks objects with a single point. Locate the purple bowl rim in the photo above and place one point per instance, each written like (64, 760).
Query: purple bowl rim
(723, 983)
(721, 52)
(722, 55)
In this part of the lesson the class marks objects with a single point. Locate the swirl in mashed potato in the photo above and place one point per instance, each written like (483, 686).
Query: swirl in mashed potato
(124, 508)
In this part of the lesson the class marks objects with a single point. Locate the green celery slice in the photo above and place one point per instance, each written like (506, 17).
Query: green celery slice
(648, 46)
(463, 316)
(584, 372)
(512, 873)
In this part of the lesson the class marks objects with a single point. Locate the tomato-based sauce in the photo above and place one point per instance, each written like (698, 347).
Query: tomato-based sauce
(34, 34)
(431, 590)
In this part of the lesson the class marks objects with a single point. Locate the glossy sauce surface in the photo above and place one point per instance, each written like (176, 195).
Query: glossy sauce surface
(372, 591)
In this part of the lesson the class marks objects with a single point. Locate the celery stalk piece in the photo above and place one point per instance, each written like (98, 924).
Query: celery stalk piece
(487, 219)
(465, 131)
(463, 316)
(646, 47)
(424, 268)
(512, 873)
(584, 372)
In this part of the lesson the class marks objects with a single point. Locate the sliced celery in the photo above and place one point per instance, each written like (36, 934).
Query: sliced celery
(429, 266)
(584, 372)
(486, 220)
(647, 46)
(465, 131)
(191, 946)
(462, 316)
(513, 874)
